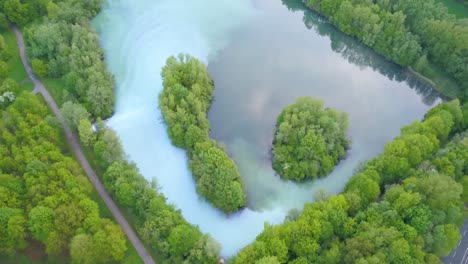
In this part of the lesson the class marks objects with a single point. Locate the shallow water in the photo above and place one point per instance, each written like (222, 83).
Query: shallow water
(262, 56)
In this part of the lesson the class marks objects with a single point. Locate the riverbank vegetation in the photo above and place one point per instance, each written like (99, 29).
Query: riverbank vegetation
(160, 225)
(65, 31)
(48, 209)
(404, 206)
(64, 48)
(184, 102)
(420, 34)
(309, 140)
(44, 195)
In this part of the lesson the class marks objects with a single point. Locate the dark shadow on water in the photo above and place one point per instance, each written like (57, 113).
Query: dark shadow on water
(359, 54)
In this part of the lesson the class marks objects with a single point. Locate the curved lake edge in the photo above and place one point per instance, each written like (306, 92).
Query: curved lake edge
(433, 83)
(132, 113)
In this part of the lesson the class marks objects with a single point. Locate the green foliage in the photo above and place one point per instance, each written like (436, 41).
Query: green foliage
(12, 230)
(41, 222)
(73, 113)
(5, 53)
(108, 148)
(52, 10)
(87, 135)
(16, 11)
(65, 46)
(451, 160)
(9, 85)
(443, 36)
(377, 28)
(182, 239)
(160, 225)
(4, 24)
(39, 68)
(105, 246)
(415, 220)
(184, 102)
(8, 91)
(446, 238)
(309, 140)
(48, 194)
(217, 177)
(3, 70)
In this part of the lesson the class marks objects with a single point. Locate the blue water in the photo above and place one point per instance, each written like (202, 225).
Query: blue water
(254, 49)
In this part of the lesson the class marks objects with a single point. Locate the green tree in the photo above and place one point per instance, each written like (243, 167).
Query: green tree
(12, 230)
(217, 177)
(182, 239)
(5, 53)
(309, 140)
(184, 102)
(41, 222)
(17, 12)
(86, 132)
(100, 101)
(73, 113)
(109, 243)
(4, 24)
(446, 238)
(4, 69)
(9, 85)
(82, 249)
(108, 148)
(268, 260)
(52, 10)
(39, 68)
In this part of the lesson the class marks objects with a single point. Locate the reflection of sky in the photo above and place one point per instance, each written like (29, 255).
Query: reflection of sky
(274, 60)
(267, 64)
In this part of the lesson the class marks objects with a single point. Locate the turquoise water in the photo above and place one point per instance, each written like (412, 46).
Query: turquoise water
(262, 54)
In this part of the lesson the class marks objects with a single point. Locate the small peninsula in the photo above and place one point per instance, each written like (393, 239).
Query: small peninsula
(184, 102)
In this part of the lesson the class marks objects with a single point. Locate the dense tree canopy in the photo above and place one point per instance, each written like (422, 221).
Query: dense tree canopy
(404, 206)
(309, 140)
(184, 102)
(44, 195)
(65, 46)
(160, 225)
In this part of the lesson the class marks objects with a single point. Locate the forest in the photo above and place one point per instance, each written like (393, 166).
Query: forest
(44, 195)
(61, 45)
(304, 130)
(405, 206)
(184, 102)
(410, 33)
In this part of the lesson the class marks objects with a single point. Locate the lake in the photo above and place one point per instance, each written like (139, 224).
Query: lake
(262, 55)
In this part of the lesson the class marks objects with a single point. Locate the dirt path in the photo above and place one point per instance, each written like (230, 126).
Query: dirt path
(73, 141)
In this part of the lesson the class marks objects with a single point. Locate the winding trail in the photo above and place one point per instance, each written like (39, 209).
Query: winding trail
(39, 88)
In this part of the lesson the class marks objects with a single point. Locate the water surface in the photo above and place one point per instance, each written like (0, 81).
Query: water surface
(262, 54)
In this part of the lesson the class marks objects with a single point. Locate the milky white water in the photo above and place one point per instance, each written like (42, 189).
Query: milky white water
(138, 36)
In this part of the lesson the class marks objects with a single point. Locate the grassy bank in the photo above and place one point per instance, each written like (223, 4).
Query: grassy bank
(455, 7)
(438, 79)
(16, 69)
